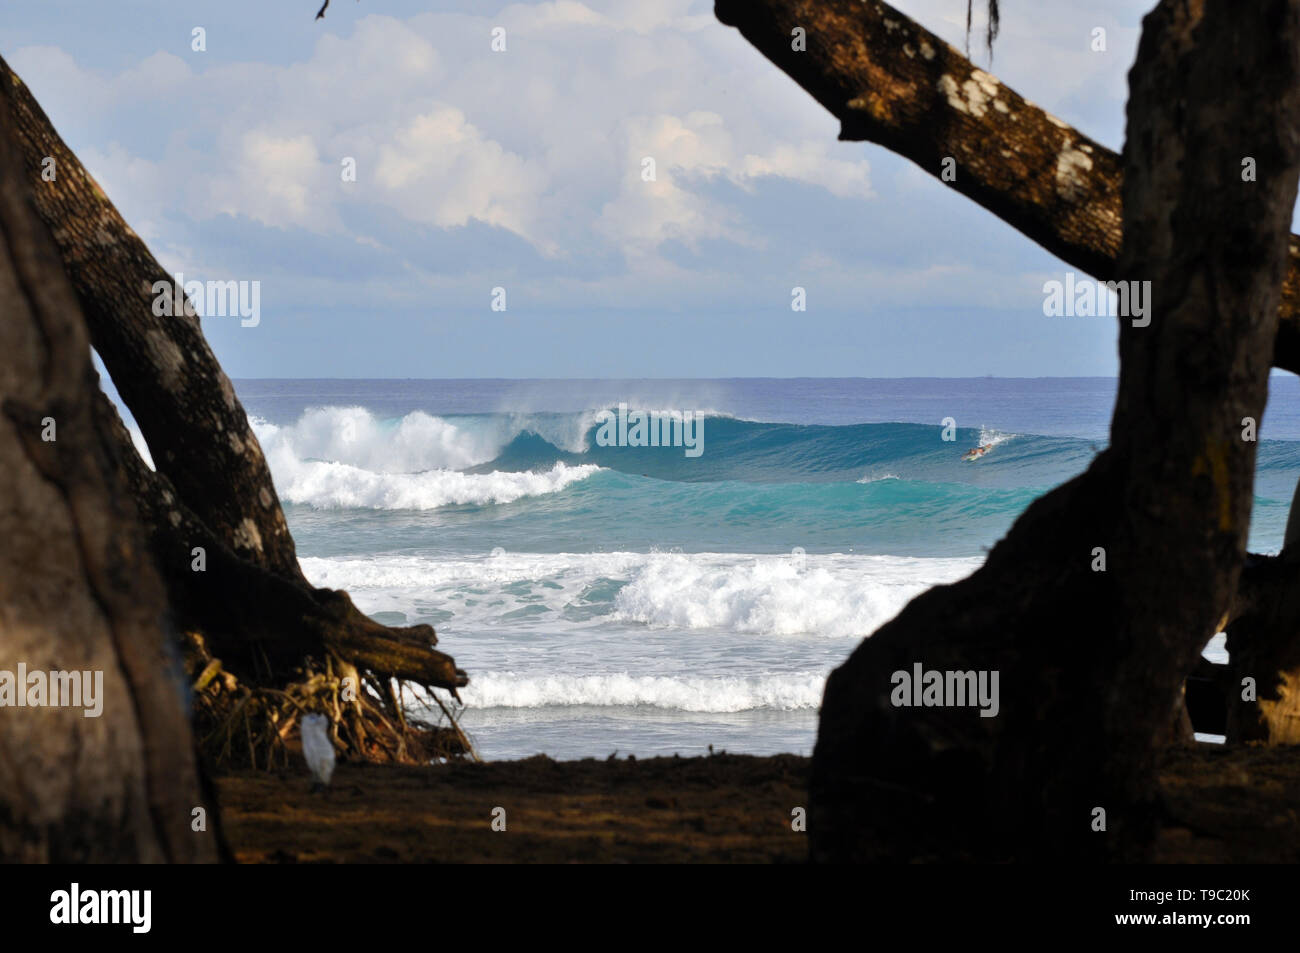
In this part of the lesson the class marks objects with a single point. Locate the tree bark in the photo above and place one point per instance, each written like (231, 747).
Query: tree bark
(161, 365)
(78, 593)
(213, 488)
(1092, 663)
(276, 619)
(892, 82)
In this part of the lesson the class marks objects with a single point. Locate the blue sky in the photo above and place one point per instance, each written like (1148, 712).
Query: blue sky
(521, 169)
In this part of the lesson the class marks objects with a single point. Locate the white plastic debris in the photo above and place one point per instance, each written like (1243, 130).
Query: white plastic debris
(318, 749)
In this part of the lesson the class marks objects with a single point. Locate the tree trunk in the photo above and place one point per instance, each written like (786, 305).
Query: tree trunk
(1091, 663)
(161, 365)
(212, 488)
(78, 593)
(892, 82)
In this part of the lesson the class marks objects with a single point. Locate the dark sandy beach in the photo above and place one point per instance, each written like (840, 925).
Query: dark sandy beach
(1223, 805)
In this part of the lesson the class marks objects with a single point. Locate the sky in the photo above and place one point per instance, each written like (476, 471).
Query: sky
(522, 169)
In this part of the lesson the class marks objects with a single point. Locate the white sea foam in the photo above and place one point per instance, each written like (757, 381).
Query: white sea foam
(989, 437)
(338, 485)
(344, 457)
(683, 693)
(837, 596)
(567, 431)
(824, 596)
(489, 569)
(419, 441)
(354, 436)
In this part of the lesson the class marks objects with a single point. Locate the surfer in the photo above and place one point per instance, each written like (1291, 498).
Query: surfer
(976, 452)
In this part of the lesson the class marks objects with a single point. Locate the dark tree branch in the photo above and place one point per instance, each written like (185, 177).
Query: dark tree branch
(892, 82)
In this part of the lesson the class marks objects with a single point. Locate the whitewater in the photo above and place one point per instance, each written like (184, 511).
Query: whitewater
(626, 598)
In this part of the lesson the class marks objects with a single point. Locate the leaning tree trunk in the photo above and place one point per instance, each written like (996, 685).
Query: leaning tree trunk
(892, 82)
(78, 593)
(263, 627)
(197, 431)
(1092, 663)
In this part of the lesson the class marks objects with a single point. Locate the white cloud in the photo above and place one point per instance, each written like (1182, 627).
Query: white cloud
(276, 180)
(439, 169)
(543, 140)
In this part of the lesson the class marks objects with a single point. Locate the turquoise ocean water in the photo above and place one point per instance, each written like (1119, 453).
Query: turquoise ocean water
(643, 600)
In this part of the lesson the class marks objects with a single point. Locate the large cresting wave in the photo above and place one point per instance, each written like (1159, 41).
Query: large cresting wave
(889, 476)
(346, 458)
(350, 457)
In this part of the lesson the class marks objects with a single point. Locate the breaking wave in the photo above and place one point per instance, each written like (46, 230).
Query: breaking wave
(829, 596)
(683, 693)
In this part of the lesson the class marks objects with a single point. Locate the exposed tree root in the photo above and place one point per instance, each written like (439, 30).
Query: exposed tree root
(277, 626)
(241, 725)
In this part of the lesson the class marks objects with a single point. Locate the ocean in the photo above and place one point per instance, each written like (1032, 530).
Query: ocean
(647, 601)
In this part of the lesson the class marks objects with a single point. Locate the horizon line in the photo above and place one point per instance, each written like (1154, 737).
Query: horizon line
(803, 377)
